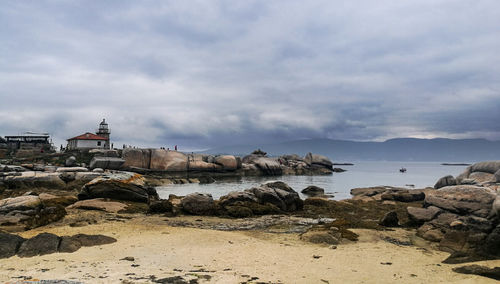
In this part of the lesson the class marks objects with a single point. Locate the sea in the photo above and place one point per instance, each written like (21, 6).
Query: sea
(361, 174)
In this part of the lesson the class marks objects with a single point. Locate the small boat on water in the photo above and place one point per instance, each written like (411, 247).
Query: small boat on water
(403, 170)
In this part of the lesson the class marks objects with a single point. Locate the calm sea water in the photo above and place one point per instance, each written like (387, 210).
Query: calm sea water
(362, 174)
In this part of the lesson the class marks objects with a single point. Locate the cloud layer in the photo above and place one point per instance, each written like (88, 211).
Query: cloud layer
(206, 73)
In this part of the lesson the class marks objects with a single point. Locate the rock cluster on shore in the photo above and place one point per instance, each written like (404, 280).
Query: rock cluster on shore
(462, 214)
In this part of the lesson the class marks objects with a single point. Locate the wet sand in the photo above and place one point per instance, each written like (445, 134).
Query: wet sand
(212, 256)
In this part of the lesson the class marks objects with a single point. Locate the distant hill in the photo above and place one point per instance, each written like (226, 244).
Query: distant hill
(399, 149)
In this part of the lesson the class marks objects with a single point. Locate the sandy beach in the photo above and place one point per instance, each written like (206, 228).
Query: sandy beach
(160, 251)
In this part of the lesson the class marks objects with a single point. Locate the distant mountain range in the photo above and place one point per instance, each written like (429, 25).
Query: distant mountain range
(398, 149)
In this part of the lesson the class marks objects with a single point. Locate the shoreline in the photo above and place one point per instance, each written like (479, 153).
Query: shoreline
(213, 256)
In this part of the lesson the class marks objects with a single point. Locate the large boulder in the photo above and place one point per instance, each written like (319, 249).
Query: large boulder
(487, 167)
(198, 203)
(313, 190)
(271, 197)
(318, 160)
(136, 158)
(20, 203)
(26, 212)
(44, 243)
(110, 163)
(445, 181)
(9, 244)
(482, 177)
(121, 186)
(268, 166)
(421, 215)
(73, 243)
(228, 162)
(171, 161)
(35, 179)
(462, 199)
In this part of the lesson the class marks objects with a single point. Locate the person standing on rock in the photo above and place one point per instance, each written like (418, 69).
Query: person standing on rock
(175, 147)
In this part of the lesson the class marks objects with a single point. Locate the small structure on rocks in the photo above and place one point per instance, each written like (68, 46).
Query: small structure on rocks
(99, 140)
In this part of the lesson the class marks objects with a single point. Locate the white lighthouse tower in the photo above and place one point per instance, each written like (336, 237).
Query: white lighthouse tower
(104, 131)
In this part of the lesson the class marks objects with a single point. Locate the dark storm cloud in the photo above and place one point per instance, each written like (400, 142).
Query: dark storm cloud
(204, 73)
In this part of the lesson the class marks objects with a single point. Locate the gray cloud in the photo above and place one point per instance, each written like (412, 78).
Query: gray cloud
(198, 73)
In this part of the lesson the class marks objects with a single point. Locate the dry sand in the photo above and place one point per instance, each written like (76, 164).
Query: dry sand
(232, 257)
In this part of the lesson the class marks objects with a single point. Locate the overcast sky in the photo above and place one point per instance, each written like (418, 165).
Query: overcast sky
(206, 73)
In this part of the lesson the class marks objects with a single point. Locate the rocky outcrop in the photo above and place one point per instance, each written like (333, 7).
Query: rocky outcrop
(272, 197)
(265, 165)
(121, 186)
(387, 193)
(445, 181)
(9, 244)
(480, 173)
(318, 160)
(172, 161)
(457, 218)
(198, 204)
(34, 180)
(26, 212)
(136, 158)
(462, 199)
(109, 163)
(46, 243)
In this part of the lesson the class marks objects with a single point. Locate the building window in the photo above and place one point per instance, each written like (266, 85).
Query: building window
(98, 143)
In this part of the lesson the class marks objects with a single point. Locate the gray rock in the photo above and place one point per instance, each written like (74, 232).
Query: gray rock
(73, 243)
(20, 203)
(315, 159)
(481, 177)
(313, 190)
(487, 167)
(170, 161)
(445, 181)
(462, 199)
(9, 244)
(138, 158)
(98, 170)
(35, 180)
(110, 163)
(404, 195)
(228, 162)
(121, 186)
(44, 243)
(70, 162)
(421, 215)
(237, 196)
(198, 204)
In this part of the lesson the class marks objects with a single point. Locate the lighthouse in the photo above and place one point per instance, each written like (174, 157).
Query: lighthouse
(104, 131)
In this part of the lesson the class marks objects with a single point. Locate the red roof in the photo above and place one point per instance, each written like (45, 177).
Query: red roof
(88, 136)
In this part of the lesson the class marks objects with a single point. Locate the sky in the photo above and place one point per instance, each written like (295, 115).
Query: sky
(201, 74)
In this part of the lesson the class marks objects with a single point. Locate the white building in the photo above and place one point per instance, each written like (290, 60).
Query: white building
(87, 141)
